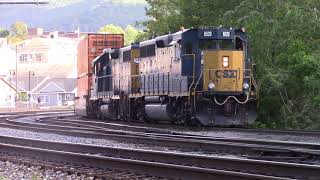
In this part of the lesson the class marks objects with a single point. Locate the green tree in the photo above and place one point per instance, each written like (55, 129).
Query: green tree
(112, 29)
(170, 15)
(130, 33)
(284, 42)
(4, 33)
(19, 32)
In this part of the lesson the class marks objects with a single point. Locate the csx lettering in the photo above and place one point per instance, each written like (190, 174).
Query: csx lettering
(226, 73)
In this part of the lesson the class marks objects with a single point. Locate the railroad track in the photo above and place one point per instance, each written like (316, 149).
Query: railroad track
(112, 128)
(254, 149)
(124, 127)
(152, 164)
(39, 114)
(164, 128)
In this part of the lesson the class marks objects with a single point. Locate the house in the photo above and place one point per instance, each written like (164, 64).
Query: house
(52, 92)
(7, 57)
(45, 56)
(55, 92)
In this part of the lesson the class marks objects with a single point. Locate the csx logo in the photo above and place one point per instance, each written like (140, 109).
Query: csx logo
(226, 73)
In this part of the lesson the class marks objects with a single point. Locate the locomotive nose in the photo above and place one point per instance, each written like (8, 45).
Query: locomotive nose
(224, 69)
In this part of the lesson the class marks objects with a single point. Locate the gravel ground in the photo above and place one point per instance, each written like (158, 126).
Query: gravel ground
(263, 136)
(214, 132)
(219, 133)
(12, 171)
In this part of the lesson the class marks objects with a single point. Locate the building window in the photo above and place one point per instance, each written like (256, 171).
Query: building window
(100, 43)
(68, 97)
(39, 57)
(23, 58)
(44, 99)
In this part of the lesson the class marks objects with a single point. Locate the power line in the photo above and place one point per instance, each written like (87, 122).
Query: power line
(23, 2)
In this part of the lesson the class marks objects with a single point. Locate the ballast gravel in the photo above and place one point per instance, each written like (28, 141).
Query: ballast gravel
(219, 133)
(13, 171)
(256, 135)
(99, 142)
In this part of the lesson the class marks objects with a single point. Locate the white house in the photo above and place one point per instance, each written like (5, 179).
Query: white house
(7, 57)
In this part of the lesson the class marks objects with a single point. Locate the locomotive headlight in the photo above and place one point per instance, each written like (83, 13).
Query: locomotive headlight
(225, 61)
(245, 86)
(211, 86)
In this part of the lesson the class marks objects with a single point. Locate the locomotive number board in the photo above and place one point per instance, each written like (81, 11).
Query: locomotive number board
(216, 33)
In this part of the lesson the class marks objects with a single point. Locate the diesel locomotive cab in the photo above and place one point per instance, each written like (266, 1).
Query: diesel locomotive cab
(227, 79)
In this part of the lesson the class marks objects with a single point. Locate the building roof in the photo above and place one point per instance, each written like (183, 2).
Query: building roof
(6, 82)
(59, 84)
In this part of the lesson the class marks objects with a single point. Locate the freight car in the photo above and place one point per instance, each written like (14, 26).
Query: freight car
(90, 46)
(200, 76)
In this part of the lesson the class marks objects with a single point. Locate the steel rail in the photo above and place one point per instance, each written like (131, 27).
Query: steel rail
(138, 166)
(47, 114)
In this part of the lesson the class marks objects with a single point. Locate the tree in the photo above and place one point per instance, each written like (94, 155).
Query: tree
(130, 33)
(112, 29)
(170, 15)
(19, 32)
(4, 33)
(284, 42)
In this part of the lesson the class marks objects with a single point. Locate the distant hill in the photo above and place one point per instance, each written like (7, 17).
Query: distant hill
(67, 15)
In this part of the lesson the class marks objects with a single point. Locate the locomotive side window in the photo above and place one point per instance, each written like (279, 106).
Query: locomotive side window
(151, 50)
(147, 51)
(177, 54)
(239, 44)
(126, 56)
(188, 48)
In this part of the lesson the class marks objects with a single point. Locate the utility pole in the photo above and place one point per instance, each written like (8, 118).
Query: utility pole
(23, 2)
(17, 95)
(31, 73)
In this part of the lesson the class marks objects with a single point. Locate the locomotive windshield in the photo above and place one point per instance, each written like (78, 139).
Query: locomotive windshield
(213, 44)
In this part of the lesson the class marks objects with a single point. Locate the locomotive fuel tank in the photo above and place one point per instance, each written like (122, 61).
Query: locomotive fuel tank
(158, 112)
(105, 111)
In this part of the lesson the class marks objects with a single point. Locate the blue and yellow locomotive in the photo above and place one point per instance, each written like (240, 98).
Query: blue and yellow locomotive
(192, 76)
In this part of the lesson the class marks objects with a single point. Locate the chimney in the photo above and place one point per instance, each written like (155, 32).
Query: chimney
(39, 31)
(54, 34)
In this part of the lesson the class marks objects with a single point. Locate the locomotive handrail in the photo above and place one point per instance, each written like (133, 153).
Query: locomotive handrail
(193, 72)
